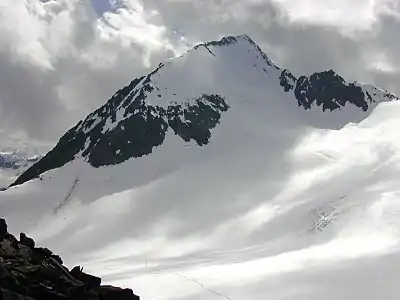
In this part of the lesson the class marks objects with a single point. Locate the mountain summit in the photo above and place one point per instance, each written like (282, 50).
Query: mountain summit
(191, 95)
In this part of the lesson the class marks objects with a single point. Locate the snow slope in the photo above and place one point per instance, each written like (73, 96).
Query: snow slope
(285, 199)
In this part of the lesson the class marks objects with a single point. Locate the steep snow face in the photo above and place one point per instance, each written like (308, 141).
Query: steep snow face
(189, 96)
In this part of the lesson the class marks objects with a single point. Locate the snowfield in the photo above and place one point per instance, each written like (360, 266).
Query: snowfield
(281, 204)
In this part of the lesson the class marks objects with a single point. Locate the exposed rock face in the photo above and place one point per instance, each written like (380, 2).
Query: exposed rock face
(113, 293)
(3, 228)
(143, 128)
(329, 90)
(31, 273)
(287, 80)
(26, 241)
(325, 89)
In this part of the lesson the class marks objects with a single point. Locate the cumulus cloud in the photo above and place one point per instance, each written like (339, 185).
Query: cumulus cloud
(61, 59)
(360, 14)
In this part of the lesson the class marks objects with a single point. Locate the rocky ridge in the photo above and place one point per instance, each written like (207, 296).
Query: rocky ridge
(28, 272)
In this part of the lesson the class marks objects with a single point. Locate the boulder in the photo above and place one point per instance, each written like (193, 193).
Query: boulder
(87, 279)
(3, 228)
(26, 241)
(7, 248)
(108, 292)
(40, 254)
(24, 253)
(57, 259)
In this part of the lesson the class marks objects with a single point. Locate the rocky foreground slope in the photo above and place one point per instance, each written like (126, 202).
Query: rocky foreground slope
(28, 272)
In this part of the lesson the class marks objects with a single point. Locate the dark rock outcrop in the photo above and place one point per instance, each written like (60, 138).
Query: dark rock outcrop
(287, 80)
(3, 228)
(329, 90)
(26, 241)
(31, 273)
(142, 129)
(114, 293)
(88, 279)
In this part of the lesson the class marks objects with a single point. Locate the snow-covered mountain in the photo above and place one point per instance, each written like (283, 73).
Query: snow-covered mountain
(13, 163)
(17, 160)
(221, 175)
(190, 95)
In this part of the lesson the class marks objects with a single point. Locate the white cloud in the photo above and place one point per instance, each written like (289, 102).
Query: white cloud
(345, 14)
(69, 61)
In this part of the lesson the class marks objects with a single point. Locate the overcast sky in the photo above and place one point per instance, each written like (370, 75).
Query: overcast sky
(61, 59)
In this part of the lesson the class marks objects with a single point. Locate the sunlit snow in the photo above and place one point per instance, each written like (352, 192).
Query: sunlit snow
(281, 204)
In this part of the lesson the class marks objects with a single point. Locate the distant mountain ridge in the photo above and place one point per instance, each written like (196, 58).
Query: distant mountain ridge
(17, 160)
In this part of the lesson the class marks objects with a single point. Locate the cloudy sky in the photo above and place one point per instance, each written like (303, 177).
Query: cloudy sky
(61, 59)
